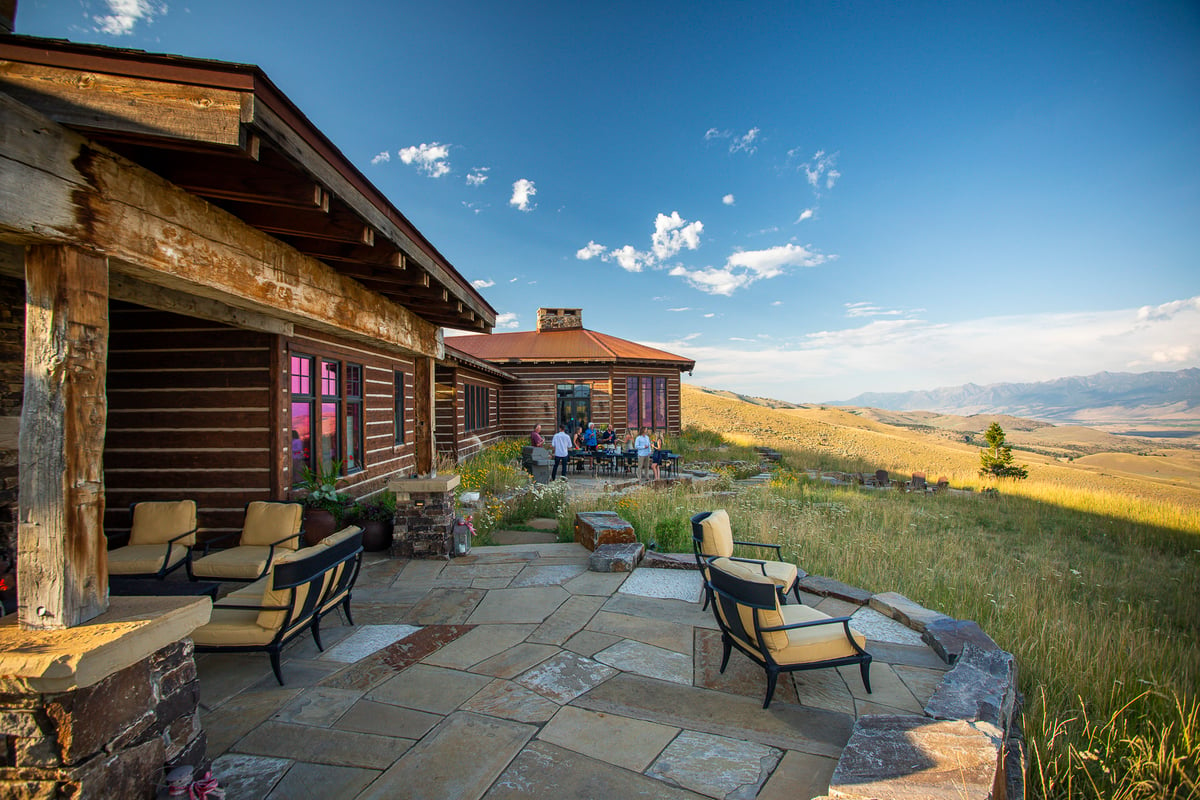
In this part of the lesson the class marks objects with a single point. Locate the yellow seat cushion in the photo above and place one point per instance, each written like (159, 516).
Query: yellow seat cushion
(143, 559)
(718, 534)
(779, 573)
(232, 627)
(250, 592)
(799, 646)
(340, 536)
(158, 522)
(268, 522)
(245, 562)
(281, 597)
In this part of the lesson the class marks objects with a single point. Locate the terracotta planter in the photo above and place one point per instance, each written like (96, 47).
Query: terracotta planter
(318, 523)
(377, 535)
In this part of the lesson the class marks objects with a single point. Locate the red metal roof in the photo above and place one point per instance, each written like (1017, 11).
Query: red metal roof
(575, 345)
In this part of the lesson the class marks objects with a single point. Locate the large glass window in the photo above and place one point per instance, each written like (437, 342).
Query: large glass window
(646, 403)
(303, 400)
(574, 405)
(328, 416)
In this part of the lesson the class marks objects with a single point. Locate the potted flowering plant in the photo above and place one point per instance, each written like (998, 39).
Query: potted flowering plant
(324, 505)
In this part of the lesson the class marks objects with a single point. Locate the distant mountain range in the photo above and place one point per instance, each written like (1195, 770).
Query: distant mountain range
(1169, 399)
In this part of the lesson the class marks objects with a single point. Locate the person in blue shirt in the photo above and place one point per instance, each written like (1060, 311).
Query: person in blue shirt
(589, 436)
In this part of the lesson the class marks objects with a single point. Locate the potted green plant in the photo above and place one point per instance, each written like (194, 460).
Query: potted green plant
(324, 505)
(376, 516)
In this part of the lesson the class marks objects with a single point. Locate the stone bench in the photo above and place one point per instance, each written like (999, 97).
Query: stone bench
(594, 528)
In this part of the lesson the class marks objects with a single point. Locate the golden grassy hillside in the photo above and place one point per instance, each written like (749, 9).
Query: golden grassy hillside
(835, 438)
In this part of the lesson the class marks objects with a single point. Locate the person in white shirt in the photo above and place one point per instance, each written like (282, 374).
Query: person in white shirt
(644, 449)
(562, 450)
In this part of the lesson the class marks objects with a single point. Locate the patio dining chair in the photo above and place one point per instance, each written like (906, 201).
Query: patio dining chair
(161, 536)
(712, 536)
(778, 638)
(271, 528)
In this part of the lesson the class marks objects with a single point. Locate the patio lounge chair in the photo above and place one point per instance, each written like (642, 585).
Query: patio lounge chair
(712, 536)
(269, 613)
(160, 540)
(270, 529)
(778, 638)
(881, 478)
(917, 484)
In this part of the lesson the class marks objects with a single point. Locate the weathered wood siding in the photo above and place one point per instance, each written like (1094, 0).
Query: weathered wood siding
(188, 416)
(453, 438)
(383, 458)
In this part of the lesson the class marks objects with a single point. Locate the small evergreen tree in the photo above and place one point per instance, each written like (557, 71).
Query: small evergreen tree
(996, 461)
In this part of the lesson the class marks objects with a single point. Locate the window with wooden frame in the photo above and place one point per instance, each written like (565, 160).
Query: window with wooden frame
(646, 403)
(476, 407)
(327, 414)
(399, 400)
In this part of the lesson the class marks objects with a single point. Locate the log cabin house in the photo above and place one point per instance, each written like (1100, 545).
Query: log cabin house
(564, 373)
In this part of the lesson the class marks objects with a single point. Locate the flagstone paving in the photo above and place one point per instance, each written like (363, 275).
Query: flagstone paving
(514, 672)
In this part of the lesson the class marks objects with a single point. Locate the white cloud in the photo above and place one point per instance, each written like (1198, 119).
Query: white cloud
(820, 171)
(745, 144)
(673, 233)
(908, 354)
(871, 310)
(483, 283)
(124, 15)
(777, 303)
(514, 280)
(523, 192)
(431, 159)
(709, 315)
(477, 176)
(805, 214)
(1168, 310)
(748, 266)
(507, 320)
(589, 251)
(681, 308)
(629, 259)
(713, 133)
(382, 158)
(727, 199)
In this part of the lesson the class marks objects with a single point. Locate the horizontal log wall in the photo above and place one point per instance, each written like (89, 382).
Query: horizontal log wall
(188, 416)
(382, 457)
(533, 398)
(452, 435)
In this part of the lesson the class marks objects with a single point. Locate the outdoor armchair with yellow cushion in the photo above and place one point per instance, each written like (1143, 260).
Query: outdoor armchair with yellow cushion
(160, 539)
(271, 528)
(712, 537)
(779, 638)
(269, 613)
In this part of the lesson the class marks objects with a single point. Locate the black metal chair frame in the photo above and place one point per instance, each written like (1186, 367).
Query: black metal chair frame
(165, 569)
(290, 576)
(270, 554)
(730, 591)
(701, 559)
(345, 581)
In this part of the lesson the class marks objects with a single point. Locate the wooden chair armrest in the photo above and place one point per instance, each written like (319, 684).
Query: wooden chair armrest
(777, 547)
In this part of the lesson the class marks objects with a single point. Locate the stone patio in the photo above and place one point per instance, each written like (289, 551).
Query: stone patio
(514, 672)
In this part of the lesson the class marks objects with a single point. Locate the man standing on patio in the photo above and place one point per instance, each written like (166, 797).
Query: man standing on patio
(535, 438)
(562, 450)
(644, 449)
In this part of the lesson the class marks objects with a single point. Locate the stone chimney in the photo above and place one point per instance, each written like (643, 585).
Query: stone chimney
(559, 319)
(8, 16)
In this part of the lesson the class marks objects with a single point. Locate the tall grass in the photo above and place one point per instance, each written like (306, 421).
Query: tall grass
(1096, 597)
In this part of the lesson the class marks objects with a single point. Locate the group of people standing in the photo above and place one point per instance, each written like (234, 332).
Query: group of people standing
(648, 445)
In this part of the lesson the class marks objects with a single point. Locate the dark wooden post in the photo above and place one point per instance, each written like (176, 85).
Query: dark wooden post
(62, 573)
(423, 407)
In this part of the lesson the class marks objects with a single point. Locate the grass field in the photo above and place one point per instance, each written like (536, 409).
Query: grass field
(1087, 572)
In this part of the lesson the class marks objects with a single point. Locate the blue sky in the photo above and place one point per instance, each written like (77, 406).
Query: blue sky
(812, 200)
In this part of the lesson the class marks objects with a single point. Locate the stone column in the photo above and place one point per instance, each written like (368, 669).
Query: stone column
(424, 517)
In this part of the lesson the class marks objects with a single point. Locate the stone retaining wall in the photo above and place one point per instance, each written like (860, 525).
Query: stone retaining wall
(110, 739)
